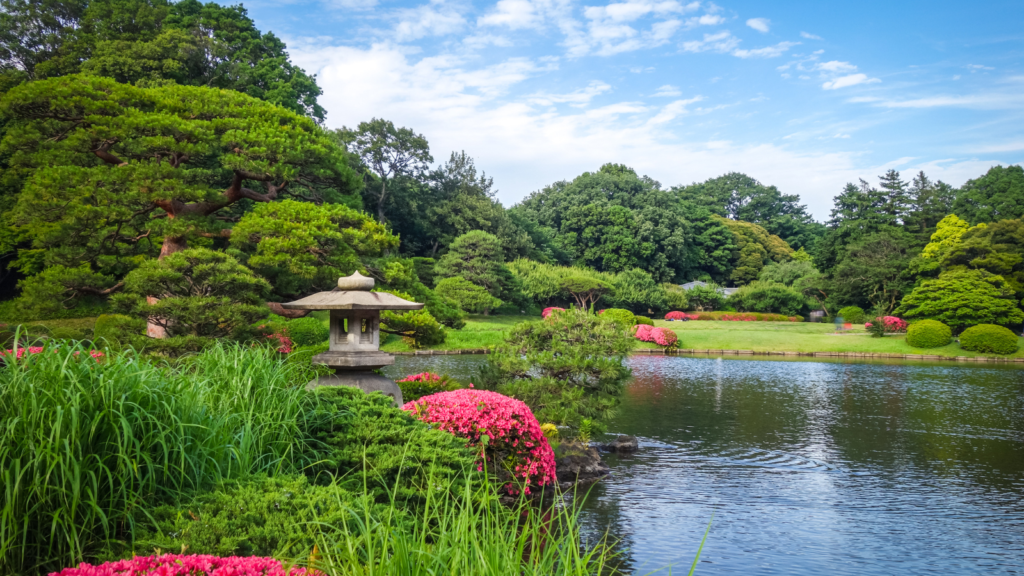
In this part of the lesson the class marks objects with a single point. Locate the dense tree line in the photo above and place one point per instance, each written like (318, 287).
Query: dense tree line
(136, 129)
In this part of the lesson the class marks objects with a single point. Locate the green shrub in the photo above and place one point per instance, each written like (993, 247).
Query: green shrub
(770, 297)
(853, 314)
(425, 270)
(468, 296)
(623, 317)
(117, 329)
(566, 368)
(256, 516)
(675, 297)
(364, 438)
(62, 333)
(643, 320)
(989, 338)
(307, 331)
(928, 334)
(704, 298)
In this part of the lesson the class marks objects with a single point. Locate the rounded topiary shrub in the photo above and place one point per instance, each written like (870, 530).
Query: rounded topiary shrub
(928, 334)
(624, 317)
(853, 314)
(989, 338)
(307, 331)
(643, 320)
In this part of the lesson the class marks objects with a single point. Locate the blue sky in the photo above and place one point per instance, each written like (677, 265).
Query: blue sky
(803, 95)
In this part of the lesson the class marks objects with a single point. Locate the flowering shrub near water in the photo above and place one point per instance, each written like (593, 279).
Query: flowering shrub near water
(504, 429)
(191, 565)
(676, 315)
(659, 336)
(551, 310)
(416, 386)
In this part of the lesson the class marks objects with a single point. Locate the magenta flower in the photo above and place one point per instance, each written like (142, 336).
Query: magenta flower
(190, 565)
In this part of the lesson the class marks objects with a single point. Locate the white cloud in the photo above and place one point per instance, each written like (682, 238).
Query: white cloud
(352, 4)
(766, 52)
(514, 14)
(722, 41)
(850, 80)
(432, 19)
(810, 36)
(759, 24)
(578, 98)
(667, 90)
(633, 9)
(835, 66)
(989, 101)
(673, 110)
(705, 20)
(974, 67)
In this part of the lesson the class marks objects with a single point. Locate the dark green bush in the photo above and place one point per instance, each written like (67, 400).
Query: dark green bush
(307, 331)
(643, 320)
(364, 438)
(928, 334)
(117, 329)
(770, 297)
(989, 338)
(623, 317)
(257, 516)
(853, 314)
(63, 333)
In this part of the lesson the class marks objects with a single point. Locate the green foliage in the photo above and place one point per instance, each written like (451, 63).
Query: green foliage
(388, 153)
(418, 327)
(425, 270)
(477, 256)
(203, 295)
(256, 516)
(585, 290)
(636, 290)
(399, 274)
(624, 317)
(117, 329)
(542, 283)
(675, 297)
(928, 334)
(989, 338)
(643, 320)
(365, 441)
(307, 331)
(468, 296)
(301, 247)
(117, 434)
(962, 298)
(762, 296)
(997, 195)
(875, 269)
(416, 390)
(852, 314)
(997, 248)
(705, 298)
(567, 368)
(788, 273)
(875, 324)
(755, 248)
(59, 292)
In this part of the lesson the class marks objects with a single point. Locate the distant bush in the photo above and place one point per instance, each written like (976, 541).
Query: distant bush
(705, 298)
(676, 315)
(624, 317)
(853, 314)
(644, 320)
(989, 338)
(675, 297)
(307, 331)
(883, 325)
(772, 297)
(928, 334)
(746, 317)
(664, 337)
(423, 384)
(468, 296)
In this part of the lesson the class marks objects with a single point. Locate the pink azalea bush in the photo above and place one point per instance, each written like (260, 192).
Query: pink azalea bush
(642, 332)
(284, 342)
(664, 337)
(416, 386)
(190, 565)
(550, 310)
(503, 428)
(676, 315)
(96, 354)
(891, 324)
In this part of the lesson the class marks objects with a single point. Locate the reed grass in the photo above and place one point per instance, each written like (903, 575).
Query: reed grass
(85, 445)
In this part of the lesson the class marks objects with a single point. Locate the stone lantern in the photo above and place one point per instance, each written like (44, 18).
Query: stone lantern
(354, 346)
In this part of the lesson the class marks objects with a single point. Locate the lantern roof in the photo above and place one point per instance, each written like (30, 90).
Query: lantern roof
(353, 293)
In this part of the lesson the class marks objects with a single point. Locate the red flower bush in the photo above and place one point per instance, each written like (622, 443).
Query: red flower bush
(675, 315)
(512, 432)
(642, 332)
(550, 310)
(284, 342)
(191, 565)
(891, 323)
(426, 377)
(664, 337)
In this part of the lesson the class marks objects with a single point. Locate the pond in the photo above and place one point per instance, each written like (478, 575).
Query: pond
(811, 467)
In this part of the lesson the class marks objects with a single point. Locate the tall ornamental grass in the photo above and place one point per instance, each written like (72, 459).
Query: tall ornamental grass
(85, 445)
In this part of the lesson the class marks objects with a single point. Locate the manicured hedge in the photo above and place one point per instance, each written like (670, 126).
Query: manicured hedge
(624, 317)
(989, 338)
(746, 317)
(853, 314)
(644, 320)
(928, 334)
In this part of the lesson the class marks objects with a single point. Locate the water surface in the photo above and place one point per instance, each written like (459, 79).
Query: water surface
(812, 467)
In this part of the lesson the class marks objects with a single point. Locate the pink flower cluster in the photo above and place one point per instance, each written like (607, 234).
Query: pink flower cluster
(428, 377)
(284, 343)
(660, 336)
(190, 565)
(37, 349)
(510, 428)
(891, 323)
(549, 311)
(675, 315)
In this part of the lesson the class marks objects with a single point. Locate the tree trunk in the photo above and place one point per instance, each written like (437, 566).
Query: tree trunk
(171, 245)
(383, 196)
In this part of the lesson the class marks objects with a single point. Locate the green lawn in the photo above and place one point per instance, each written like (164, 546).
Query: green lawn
(480, 332)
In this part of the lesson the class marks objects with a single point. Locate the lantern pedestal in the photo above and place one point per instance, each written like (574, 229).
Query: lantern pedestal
(366, 381)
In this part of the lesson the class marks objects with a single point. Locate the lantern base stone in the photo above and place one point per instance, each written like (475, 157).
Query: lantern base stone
(361, 360)
(364, 380)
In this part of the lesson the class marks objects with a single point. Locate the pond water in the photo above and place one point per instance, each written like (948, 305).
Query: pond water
(811, 467)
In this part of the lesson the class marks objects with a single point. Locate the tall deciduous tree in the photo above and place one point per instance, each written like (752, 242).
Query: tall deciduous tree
(997, 195)
(389, 153)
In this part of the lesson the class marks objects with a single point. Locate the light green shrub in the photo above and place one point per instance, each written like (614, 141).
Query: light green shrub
(624, 317)
(307, 331)
(928, 334)
(468, 296)
(643, 320)
(853, 314)
(989, 338)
